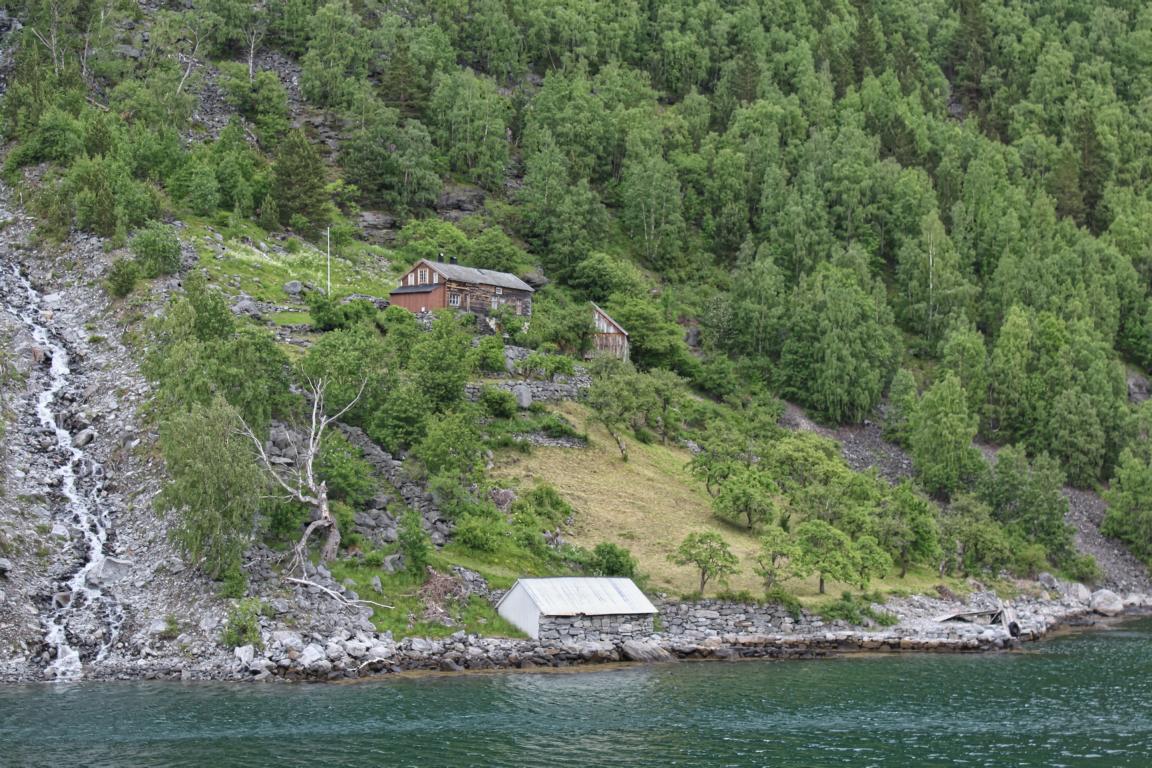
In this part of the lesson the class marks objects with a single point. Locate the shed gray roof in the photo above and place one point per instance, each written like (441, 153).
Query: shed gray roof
(481, 276)
(584, 596)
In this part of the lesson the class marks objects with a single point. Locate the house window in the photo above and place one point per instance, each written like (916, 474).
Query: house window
(499, 291)
(411, 279)
(495, 303)
(435, 278)
(422, 276)
(453, 299)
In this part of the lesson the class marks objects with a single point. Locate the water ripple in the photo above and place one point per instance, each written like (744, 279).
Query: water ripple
(1078, 701)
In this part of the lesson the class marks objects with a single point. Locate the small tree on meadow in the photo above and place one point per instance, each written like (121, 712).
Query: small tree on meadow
(746, 499)
(826, 551)
(613, 402)
(710, 554)
(776, 561)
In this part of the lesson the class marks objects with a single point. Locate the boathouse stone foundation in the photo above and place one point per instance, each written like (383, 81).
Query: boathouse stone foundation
(595, 628)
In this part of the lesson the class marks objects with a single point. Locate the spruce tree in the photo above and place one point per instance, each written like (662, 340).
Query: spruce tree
(298, 183)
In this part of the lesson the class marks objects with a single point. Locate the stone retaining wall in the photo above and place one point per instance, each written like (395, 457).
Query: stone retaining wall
(528, 391)
(594, 628)
(713, 618)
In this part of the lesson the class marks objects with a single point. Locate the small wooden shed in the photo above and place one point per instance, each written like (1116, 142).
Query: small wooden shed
(611, 338)
(569, 607)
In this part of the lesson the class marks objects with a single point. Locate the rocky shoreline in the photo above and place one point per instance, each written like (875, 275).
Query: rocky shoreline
(288, 655)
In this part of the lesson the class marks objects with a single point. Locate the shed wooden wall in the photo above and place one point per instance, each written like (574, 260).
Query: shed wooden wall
(477, 298)
(420, 302)
(615, 344)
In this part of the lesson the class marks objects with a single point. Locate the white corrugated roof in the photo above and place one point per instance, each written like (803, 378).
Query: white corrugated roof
(587, 596)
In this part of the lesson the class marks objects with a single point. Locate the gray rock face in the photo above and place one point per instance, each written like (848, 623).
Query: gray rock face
(290, 641)
(83, 438)
(1049, 582)
(246, 306)
(312, 655)
(293, 288)
(523, 395)
(112, 570)
(1107, 603)
(1078, 592)
(5, 566)
(245, 654)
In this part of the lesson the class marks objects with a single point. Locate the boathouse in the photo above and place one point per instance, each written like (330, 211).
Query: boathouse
(578, 608)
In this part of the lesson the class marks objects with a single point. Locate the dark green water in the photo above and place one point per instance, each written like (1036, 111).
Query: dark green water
(1083, 700)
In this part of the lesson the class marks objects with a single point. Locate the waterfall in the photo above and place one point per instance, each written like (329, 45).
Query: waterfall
(82, 596)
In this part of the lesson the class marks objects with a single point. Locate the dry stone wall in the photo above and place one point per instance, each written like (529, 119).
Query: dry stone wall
(715, 618)
(595, 628)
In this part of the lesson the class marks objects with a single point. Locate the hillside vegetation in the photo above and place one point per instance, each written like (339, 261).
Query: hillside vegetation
(934, 214)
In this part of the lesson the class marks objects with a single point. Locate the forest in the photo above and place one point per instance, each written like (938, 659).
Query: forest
(935, 215)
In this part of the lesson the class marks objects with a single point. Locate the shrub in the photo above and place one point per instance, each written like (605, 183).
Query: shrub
(547, 367)
(1082, 568)
(488, 355)
(785, 600)
(329, 314)
(234, 583)
(612, 560)
(286, 518)
(546, 503)
(478, 533)
(157, 250)
(374, 559)
(555, 426)
(345, 518)
(343, 467)
(122, 277)
(858, 610)
(414, 542)
(243, 627)
(1030, 560)
(497, 403)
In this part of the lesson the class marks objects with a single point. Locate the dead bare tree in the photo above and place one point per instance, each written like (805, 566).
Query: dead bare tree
(53, 17)
(300, 480)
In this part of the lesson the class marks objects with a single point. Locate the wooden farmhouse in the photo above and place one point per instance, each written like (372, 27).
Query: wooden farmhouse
(431, 285)
(611, 338)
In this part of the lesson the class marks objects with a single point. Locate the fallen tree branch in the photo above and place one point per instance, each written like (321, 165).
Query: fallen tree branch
(336, 595)
(373, 661)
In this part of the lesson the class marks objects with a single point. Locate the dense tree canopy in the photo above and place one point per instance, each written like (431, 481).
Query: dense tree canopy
(831, 203)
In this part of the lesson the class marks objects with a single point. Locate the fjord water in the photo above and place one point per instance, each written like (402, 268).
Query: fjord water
(1079, 700)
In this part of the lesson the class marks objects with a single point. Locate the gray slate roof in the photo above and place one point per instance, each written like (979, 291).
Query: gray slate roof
(584, 596)
(480, 276)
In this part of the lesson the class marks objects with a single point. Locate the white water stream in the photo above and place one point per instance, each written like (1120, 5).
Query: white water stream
(81, 510)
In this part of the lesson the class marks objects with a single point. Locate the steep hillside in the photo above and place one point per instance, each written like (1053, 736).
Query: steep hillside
(851, 244)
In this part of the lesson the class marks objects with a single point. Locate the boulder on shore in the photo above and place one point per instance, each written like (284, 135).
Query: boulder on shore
(1107, 603)
(640, 650)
